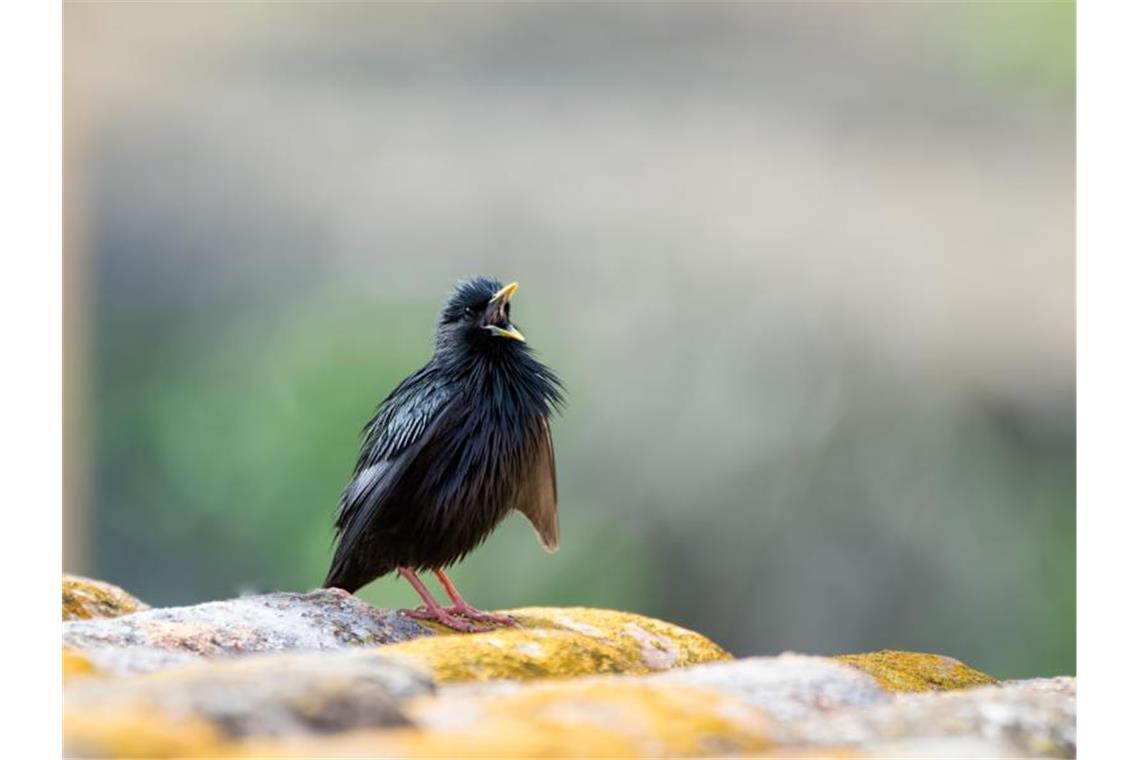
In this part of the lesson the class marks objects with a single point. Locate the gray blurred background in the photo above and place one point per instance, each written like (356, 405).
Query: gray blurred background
(807, 271)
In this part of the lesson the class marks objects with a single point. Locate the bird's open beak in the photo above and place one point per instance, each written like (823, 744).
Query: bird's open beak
(495, 318)
(505, 294)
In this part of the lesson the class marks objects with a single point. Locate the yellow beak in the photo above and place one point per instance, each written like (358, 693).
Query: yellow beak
(497, 301)
(506, 332)
(505, 293)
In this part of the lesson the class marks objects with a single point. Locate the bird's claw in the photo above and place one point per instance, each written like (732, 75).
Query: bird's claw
(460, 618)
(487, 617)
(446, 619)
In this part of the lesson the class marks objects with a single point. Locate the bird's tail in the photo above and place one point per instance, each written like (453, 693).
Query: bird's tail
(345, 575)
(349, 574)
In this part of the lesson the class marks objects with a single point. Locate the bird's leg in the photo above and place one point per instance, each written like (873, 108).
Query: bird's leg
(434, 611)
(466, 610)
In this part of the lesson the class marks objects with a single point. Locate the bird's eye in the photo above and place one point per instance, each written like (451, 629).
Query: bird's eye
(468, 311)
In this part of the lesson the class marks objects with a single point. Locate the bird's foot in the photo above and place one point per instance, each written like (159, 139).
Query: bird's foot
(445, 618)
(469, 612)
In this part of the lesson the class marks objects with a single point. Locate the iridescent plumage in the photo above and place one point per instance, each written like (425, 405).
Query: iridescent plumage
(456, 446)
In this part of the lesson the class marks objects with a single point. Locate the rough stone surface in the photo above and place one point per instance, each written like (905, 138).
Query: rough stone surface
(323, 674)
(1035, 718)
(84, 598)
(262, 695)
(615, 717)
(561, 643)
(159, 638)
(788, 687)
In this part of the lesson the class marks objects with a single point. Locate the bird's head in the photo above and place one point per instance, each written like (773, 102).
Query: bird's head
(477, 316)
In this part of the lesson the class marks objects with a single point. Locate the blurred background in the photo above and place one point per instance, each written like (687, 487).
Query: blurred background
(806, 269)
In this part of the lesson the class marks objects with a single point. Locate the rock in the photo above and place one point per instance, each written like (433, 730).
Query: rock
(1035, 718)
(76, 664)
(258, 696)
(143, 734)
(788, 687)
(324, 674)
(159, 638)
(946, 747)
(916, 671)
(84, 598)
(560, 643)
(598, 717)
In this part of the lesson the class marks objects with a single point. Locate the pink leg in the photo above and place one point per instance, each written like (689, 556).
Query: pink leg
(466, 610)
(434, 611)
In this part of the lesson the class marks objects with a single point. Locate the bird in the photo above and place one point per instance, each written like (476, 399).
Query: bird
(453, 449)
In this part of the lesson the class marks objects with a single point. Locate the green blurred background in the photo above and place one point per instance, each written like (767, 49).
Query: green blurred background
(807, 271)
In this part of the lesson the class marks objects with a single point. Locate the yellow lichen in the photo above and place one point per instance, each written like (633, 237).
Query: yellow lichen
(916, 671)
(561, 642)
(86, 598)
(139, 733)
(514, 739)
(812, 752)
(76, 664)
(587, 718)
(655, 718)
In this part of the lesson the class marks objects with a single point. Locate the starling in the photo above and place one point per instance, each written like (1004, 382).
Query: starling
(448, 454)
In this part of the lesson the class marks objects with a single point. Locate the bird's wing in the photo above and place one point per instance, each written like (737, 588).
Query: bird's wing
(538, 491)
(392, 439)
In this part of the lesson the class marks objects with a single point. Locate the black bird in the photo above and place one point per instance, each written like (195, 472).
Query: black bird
(456, 446)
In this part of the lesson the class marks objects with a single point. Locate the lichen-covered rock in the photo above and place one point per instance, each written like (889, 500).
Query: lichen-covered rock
(84, 598)
(159, 638)
(788, 687)
(262, 696)
(931, 747)
(559, 643)
(76, 664)
(324, 674)
(597, 717)
(1035, 718)
(916, 671)
(140, 733)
